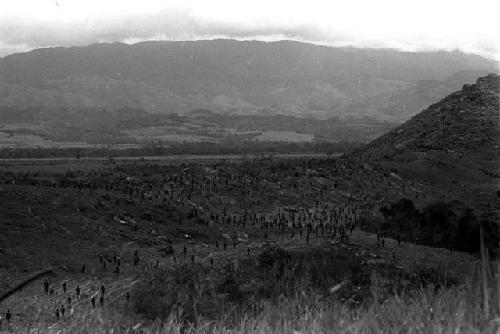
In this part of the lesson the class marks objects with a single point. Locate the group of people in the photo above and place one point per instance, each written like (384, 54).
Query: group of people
(68, 297)
(288, 200)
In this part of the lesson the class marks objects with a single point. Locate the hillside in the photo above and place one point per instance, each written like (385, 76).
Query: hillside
(228, 76)
(453, 144)
(465, 122)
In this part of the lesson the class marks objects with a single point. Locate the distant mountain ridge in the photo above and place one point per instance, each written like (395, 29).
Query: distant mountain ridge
(251, 77)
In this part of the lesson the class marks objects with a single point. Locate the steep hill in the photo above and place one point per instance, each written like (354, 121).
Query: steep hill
(465, 122)
(229, 76)
(454, 145)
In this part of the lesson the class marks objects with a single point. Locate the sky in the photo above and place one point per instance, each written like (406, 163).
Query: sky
(469, 26)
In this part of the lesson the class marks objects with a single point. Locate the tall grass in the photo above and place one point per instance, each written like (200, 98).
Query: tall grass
(453, 310)
(253, 299)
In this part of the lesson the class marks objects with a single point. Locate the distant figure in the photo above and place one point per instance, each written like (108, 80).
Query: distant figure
(101, 300)
(127, 296)
(8, 316)
(57, 314)
(92, 301)
(248, 251)
(136, 258)
(84, 269)
(63, 310)
(64, 287)
(69, 300)
(46, 286)
(103, 289)
(77, 291)
(184, 250)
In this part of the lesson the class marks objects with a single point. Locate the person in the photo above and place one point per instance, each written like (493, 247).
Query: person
(127, 296)
(46, 286)
(8, 316)
(69, 300)
(136, 258)
(103, 289)
(77, 291)
(101, 300)
(63, 310)
(248, 251)
(92, 301)
(57, 314)
(64, 287)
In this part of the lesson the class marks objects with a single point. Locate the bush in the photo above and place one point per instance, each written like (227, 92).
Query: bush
(186, 291)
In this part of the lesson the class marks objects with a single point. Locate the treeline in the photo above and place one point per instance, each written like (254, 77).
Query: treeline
(185, 148)
(450, 225)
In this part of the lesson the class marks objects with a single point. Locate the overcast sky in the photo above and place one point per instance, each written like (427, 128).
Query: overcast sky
(470, 26)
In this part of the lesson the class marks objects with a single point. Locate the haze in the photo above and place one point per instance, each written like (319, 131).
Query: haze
(423, 25)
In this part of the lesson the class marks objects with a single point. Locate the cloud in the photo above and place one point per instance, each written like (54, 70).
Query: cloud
(424, 25)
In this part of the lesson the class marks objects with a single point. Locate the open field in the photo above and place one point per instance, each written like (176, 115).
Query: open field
(50, 165)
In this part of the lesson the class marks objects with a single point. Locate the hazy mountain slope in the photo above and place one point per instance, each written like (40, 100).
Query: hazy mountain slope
(230, 76)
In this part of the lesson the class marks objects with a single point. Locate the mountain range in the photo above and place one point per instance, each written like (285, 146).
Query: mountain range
(237, 77)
